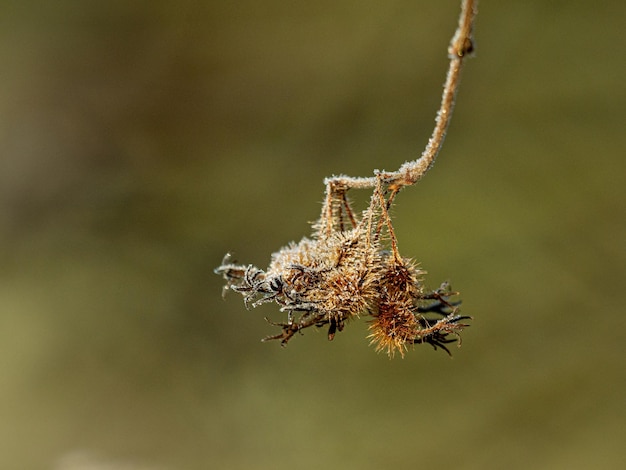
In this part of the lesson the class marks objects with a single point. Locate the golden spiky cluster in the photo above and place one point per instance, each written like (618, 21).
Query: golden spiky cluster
(395, 324)
(346, 270)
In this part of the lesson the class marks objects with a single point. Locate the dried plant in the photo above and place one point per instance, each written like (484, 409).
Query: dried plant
(351, 266)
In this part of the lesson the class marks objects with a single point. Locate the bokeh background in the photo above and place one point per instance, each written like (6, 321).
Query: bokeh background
(141, 141)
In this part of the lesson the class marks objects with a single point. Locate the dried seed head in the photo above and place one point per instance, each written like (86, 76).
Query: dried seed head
(394, 327)
(345, 269)
(395, 324)
(341, 273)
(332, 276)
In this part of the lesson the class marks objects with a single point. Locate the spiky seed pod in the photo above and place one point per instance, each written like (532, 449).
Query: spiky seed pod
(337, 275)
(394, 325)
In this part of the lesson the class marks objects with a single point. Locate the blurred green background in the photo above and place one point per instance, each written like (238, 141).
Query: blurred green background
(140, 141)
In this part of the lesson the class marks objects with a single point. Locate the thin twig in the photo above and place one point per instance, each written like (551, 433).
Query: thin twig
(410, 172)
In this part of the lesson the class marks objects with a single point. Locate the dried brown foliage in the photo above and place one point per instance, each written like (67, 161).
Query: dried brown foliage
(351, 265)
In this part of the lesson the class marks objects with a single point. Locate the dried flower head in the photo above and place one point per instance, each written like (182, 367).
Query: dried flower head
(346, 270)
(351, 265)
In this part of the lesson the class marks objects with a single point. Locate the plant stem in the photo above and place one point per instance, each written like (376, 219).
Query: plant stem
(410, 172)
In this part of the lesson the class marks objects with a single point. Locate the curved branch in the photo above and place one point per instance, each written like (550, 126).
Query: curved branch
(461, 46)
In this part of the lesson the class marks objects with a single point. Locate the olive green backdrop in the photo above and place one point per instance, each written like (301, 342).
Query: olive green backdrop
(141, 141)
